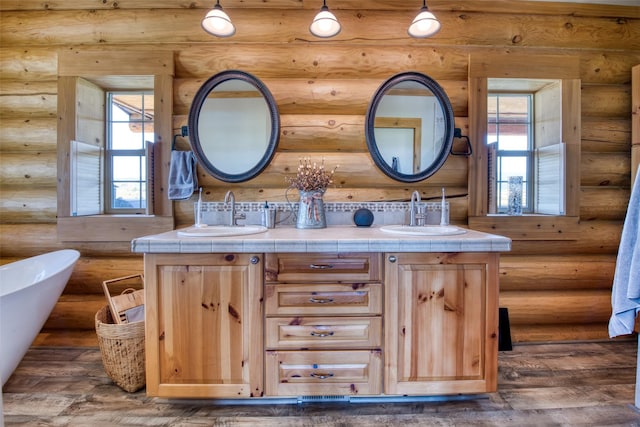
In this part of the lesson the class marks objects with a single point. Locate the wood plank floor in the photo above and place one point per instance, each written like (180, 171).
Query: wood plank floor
(559, 384)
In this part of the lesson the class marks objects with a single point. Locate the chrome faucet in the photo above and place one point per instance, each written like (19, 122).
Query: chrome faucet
(233, 217)
(413, 209)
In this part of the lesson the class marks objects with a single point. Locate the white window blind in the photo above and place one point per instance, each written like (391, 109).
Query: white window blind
(492, 178)
(550, 165)
(85, 170)
(149, 147)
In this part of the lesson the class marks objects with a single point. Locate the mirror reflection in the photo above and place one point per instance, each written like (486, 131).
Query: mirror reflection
(409, 127)
(234, 126)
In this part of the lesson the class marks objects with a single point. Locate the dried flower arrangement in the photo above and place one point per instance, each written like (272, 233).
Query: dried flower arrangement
(311, 176)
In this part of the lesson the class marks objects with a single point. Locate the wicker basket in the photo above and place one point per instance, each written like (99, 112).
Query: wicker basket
(122, 349)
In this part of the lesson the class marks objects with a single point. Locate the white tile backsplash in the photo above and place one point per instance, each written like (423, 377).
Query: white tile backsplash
(337, 213)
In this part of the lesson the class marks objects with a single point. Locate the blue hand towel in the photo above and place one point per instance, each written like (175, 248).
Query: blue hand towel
(625, 295)
(183, 180)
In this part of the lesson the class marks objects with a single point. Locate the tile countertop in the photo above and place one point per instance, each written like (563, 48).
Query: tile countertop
(330, 239)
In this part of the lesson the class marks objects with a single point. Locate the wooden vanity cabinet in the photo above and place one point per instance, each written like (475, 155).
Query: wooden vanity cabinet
(310, 324)
(441, 323)
(204, 334)
(323, 325)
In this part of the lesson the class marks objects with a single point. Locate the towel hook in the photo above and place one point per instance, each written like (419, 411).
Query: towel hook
(184, 131)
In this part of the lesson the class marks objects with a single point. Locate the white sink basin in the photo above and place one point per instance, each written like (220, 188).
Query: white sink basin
(221, 230)
(425, 230)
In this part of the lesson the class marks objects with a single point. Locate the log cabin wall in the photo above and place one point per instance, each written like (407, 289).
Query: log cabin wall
(554, 290)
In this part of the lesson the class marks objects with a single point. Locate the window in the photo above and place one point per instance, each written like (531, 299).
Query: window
(551, 159)
(114, 144)
(510, 139)
(129, 133)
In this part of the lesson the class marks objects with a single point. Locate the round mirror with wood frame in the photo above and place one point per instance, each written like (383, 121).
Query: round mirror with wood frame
(409, 127)
(234, 126)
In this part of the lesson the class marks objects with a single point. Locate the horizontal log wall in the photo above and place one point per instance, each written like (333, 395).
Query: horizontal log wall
(555, 290)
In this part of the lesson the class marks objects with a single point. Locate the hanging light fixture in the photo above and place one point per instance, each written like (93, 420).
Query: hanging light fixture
(218, 23)
(325, 24)
(425, 24)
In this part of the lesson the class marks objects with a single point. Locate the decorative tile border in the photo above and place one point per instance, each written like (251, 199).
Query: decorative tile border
(337, 213)
(329, 206)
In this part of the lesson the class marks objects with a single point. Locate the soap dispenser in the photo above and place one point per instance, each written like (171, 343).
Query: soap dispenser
(444, 211)
(199, 223)
(268, 216)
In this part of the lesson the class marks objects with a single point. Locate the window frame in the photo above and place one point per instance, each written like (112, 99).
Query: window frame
(110, 152)
(116, 67)
(528, 226)
(528, 154)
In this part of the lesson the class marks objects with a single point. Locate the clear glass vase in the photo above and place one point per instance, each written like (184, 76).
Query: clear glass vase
(515, 195)
(311, 210)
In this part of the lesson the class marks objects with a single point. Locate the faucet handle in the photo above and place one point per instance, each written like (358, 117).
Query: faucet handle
(420, 215)
(238, 216)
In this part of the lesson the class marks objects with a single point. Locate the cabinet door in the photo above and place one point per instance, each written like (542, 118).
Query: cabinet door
(441, 326)
(204, 325)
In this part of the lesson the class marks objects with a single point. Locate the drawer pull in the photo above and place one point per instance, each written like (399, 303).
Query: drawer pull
(315, 300)
(321, 266)
(321, 375)
(321, 334)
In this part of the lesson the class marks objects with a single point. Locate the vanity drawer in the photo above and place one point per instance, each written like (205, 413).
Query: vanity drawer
(294, 299)
(323, 332)
(320, 267)
(305, 373)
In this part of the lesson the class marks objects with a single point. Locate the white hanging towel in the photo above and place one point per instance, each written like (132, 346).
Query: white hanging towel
(183, 180)
(625, 295)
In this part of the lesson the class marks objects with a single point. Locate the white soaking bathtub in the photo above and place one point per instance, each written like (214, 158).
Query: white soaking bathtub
(29, 289)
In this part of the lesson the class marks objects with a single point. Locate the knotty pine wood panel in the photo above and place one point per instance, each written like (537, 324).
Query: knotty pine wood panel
(604, 134)
(29, 170)
(291, 26)
(73, 312)
(30, 239)
(89, 273)
(28, 106)
(321, 96)
(32, 204)
(323, 61)
(561, 332)
(355, 170)
(26, 135)
(16, 87)
(606, 68)
(594, 237)
(143, 4)
(28, 64)
(605, 169)
(555, 308)
(339, 133)
(441, 62)
(336, 61)
(556, 272)
(605, 100)
(306, 133)
(526, 7)
(603, 203)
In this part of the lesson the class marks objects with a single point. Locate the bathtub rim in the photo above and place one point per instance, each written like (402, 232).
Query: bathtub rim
(66, 257)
